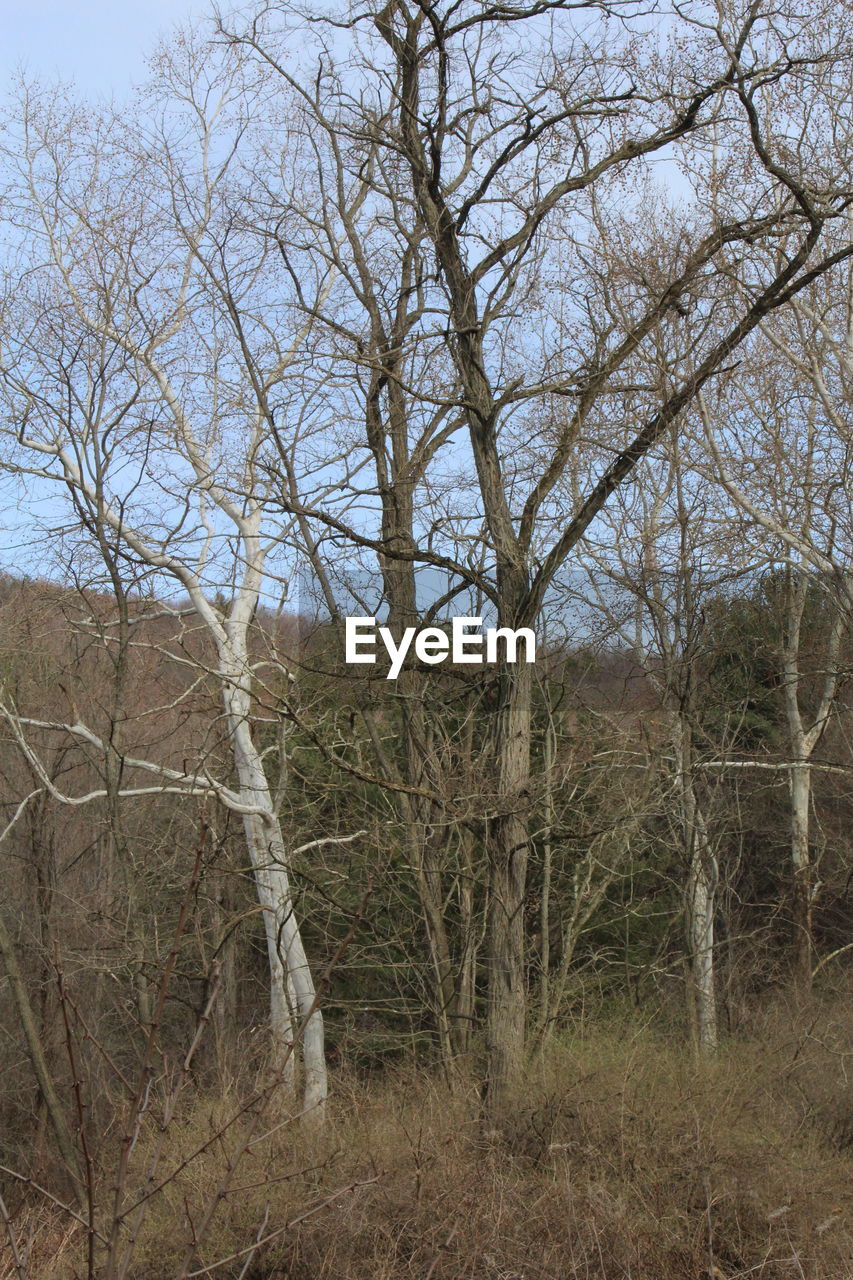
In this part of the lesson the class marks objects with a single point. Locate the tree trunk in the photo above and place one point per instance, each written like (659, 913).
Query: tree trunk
(429, 892)
(292, 993)
(701, 886)
(700, 897)
(507, 843)
(801, 894)
(35, 1048)
(419, 765)
(549, 756)
(464, 1008)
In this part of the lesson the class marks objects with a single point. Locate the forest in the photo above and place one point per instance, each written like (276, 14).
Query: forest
(529, 318)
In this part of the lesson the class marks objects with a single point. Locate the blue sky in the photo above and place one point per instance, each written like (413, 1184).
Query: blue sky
(99, 44)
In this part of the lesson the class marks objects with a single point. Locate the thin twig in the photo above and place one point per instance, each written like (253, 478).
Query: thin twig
(60, 1204)
(293, 1222)
(442, 1249)
(19, 1263)
(831, 956)
(261, 1229)
(77, 1087)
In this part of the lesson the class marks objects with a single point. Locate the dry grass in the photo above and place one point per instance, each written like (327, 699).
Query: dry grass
(623, 1161)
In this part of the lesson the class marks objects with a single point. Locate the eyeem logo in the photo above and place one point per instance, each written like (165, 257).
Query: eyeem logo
(432, 645)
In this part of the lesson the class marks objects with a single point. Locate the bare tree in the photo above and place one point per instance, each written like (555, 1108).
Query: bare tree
(128, 386)
(506, 135)
(656, 564)
(460, 233)
(790, 479)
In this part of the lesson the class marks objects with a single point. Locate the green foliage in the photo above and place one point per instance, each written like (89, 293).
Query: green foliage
(744, 670)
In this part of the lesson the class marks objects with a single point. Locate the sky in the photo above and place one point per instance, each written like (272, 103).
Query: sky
(99, 44)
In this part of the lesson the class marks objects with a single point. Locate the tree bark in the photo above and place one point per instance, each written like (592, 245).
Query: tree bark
(701, 909)
(35, 1048)
(803, 742)
(700, 897)
(292, 993)
(508, 846)
(801, 890)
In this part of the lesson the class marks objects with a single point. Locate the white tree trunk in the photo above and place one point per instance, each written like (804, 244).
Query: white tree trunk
(292, 993)
(700, 895)
(701, 886)
(803, 743)
(801, 786)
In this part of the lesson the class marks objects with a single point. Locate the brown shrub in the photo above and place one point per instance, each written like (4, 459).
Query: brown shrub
(624, 1159)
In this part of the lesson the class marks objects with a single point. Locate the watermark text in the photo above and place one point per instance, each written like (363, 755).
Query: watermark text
(466, 643)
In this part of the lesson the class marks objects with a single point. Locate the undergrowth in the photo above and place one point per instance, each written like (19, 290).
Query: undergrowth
(624, 1159)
